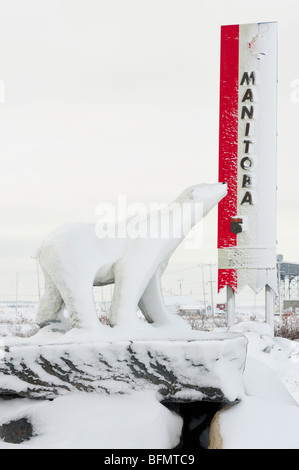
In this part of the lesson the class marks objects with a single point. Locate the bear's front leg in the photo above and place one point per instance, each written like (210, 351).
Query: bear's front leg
(153, 306)
(129, 285)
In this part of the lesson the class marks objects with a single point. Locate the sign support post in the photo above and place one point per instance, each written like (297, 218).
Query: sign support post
(230, 302)
(269, 306)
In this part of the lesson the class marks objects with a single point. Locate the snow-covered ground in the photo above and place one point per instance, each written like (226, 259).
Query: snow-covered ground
(86, 420)
(268, 414)
(266, 417)
(20, 320)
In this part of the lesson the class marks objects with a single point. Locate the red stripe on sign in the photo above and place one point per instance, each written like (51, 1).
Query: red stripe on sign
(228, 143)
(227, 277)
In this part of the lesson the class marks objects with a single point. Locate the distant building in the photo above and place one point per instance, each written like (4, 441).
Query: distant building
(291, 305)
(289, 279)
(184, 304)
(221, 307)
(191, 309)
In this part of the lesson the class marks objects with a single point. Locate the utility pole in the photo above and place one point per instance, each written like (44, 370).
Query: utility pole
(37, 275)
(180, 281)
(279, 284)
(212, 296)
(17, 293)
(203, 286)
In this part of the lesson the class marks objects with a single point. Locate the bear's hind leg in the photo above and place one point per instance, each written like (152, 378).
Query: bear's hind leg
(51, 304)
(78, 297)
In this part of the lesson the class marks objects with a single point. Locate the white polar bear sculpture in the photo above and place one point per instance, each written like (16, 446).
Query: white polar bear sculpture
(74, 259)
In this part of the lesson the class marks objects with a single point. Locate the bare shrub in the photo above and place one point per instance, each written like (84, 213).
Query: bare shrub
(103, 312)
(288, 327)
(205, 322)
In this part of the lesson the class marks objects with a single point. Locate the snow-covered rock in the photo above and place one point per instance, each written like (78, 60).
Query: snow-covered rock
(208, 368)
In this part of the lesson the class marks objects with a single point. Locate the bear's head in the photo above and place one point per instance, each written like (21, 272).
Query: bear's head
(206, 194)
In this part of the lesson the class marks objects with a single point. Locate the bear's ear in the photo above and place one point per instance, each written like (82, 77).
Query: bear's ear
(191, 194)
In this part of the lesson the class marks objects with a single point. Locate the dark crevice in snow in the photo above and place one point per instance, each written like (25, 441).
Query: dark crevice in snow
(197, 417)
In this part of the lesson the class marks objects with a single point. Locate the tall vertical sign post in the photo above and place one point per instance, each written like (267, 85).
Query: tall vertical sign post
(247, 162)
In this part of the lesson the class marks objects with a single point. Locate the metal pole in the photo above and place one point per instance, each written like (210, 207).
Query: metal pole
(17, 293)
(212, 296)
(180, 281)
(230, 296)
(37, 275)
(38, 281)
(279, 289)
(203, 286)
(269, 306)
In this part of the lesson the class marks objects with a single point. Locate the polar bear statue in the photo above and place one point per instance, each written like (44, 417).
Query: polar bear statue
(74, 258)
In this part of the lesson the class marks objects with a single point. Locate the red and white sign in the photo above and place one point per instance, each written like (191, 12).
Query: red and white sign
(247, 156)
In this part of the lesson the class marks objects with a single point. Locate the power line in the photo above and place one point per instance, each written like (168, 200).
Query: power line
(189, 268)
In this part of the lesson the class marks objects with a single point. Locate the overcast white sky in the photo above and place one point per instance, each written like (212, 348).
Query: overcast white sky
(121, 97)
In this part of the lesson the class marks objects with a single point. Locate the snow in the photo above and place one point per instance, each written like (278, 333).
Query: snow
(140, 330)
(253, 326)
(259, 423)
(267, 415)
(261, 381)
(87, 421)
